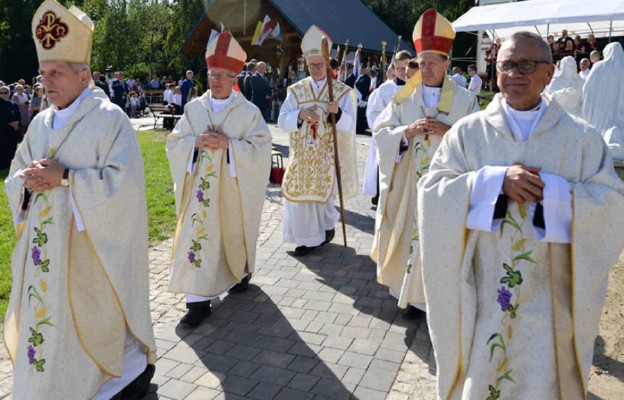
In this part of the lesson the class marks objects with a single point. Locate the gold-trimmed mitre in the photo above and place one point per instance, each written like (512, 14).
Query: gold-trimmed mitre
(61, 34)
(311, 43)
(433, 34)
(225, 52)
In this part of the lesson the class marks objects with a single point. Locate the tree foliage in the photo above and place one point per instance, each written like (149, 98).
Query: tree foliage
(144, 37)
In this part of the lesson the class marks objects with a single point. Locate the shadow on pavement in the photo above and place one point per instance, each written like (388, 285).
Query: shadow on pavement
(251, 350)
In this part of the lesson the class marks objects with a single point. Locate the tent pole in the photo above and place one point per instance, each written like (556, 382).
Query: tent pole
(610, 29)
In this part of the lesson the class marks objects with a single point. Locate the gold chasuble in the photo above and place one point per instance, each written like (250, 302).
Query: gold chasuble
(218, 214)
(395, 245)
(77, 292)
(512, 317)
(311, 174)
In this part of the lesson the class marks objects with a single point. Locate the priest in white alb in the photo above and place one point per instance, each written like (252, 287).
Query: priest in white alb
(407, 134)
(520, 220)
(377, 102)
(78, 324)
(309, 184)
(219, 154)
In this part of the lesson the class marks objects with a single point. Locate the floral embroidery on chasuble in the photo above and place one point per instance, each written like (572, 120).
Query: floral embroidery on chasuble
(311, 173)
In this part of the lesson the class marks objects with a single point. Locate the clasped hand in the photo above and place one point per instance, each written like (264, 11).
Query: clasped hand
(209, 140)
(426, 126)
(43, 175)
(523, 184)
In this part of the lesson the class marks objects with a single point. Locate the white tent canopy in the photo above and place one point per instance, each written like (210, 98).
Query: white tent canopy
(580, 17)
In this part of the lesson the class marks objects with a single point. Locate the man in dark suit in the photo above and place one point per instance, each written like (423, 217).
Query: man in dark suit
(97, 79)
(362, 90)
(350, 81)
(119, 90)
(251, 69)
(261, 90)
(241, 79)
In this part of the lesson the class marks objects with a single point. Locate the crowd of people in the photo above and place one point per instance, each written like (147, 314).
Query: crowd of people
(487, 222)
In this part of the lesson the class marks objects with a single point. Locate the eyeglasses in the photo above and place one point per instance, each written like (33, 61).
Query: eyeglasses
(316, 65)
(220, 76)
(524, 67)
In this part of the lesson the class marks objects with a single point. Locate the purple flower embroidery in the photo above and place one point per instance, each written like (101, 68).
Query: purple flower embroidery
(31, 354)
(191, 256)
(200, 195)
(504, 298)
(36, 255)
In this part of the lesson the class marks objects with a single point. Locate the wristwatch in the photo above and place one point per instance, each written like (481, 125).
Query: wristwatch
(65, 180)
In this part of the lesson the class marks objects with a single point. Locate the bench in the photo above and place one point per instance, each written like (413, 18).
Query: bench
(161, 111)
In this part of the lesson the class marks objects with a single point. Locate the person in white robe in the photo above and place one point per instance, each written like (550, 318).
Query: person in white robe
(309, 185)
(220, 159)
(517, 200)
(407, 134)
(78, 324)
(377, 102)
(603, 98)
(567, 87)
(584, 66)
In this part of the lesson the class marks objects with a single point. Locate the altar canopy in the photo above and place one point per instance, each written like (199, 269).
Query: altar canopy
(545, 17)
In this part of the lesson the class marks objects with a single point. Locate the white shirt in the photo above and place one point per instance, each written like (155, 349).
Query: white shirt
(584, 74)
(475, 84)
(459, 80)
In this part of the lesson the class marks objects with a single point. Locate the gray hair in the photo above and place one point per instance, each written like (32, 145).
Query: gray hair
(542, 45)
(79, 67)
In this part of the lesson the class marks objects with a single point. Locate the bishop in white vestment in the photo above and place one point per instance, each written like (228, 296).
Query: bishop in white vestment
(520, 221)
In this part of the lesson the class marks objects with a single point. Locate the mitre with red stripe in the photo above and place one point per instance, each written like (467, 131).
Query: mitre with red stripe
(225, 52)
(433, 34)
(61, 34)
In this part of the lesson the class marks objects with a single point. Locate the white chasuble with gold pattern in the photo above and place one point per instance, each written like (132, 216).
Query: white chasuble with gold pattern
(511, 316)
(311, 175)
(395, 245)
(218, 214)
(77, 292)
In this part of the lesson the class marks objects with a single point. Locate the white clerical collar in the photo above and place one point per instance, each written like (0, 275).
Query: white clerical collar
(523, 123)
(60, 117)
(431, 95)
(218, 105)
(318, 85)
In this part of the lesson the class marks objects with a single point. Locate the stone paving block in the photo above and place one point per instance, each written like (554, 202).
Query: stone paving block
(365, 346)
(229, 396)
(164, 365)
(281, 329)
(319, 296)
(390, 355)
(343, 309)
(243, 352)
(378, 379)
(308, 337)
(302, 364)
(242, 337)
(296, 292)
(176, 389)
(330, 355)
(353, 375)
(329, 370)
(355, 333)
(332, 388)
(220, 347)
(303, 382)
(337, 342)
(193, 374)
(355, 360)
(305, 350)
(211, 379)
(244, 368)
(272, 343)
(159, 380)
(238, 385)
(163, 345)
(362, 321)
(203, 393)
(299, 325)
(291, 394)
(215, 362)
(288, 283)
(388, 365)
(264, 391)
(369, 394)
(273, 358)
(314, 326)
(299, 303)
(275, 375)
(292, 312)
(179, 370)
(331, 329)
(343, 319)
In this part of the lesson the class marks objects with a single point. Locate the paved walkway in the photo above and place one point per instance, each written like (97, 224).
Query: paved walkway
(317, 327)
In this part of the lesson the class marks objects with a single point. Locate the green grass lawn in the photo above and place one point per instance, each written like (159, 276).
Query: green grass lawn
(160, 207)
